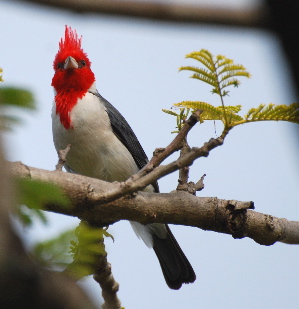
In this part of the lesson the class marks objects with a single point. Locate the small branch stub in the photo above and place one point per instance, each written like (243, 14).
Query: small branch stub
(62, 157)
(237, 214)
(200, 185)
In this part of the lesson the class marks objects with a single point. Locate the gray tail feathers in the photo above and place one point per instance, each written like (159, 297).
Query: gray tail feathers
(175, 266)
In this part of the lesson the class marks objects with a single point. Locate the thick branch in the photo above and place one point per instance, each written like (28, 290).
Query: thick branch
(255, 17)
(88, 202)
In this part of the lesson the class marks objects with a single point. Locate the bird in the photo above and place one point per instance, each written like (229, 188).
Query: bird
(104, 146)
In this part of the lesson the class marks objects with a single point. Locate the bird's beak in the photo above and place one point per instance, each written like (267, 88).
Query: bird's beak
(70, 63)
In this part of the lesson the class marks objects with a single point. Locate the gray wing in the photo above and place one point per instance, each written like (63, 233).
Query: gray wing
(125, 134)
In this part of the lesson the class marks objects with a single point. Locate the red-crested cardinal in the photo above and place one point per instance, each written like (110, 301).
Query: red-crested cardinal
(104, 146)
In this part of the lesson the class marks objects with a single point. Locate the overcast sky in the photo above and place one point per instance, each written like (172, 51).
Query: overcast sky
(136, 66)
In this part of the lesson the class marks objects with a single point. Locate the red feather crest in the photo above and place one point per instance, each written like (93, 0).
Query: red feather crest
(70, 46)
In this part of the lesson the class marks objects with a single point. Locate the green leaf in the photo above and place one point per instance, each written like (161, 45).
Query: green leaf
(34, 194)
(27, 215)
(87, 250)
(16, 97)
(55, 251)
(205, 57)
(219, 72)
(170, 112)
(211, 112)
(223, 61)
(13, 98)
(274, 112)
(180, 118)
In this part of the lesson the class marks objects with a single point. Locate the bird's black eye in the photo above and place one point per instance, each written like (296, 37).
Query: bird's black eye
(83, 63)
(60, 65)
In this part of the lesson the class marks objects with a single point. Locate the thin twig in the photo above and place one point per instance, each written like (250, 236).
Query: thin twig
(103, 275)
(90, 258)
(175, 145)
(184, 172)
(108, 284)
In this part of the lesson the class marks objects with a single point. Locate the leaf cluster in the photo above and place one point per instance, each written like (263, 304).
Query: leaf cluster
(87, 250)
(32, 194)
(221, 72)
(180, 117)
(55, 251)
(77, 250)
(11, 98)
(264, 112)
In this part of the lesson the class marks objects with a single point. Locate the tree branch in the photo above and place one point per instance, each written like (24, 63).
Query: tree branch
(89, 202)
(90, 258)
(254, 17)
(109, 286)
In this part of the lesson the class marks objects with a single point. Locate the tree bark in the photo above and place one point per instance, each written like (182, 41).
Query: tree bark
(89, 202)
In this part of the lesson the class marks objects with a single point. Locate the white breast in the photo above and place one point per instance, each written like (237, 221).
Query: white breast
(95, 150)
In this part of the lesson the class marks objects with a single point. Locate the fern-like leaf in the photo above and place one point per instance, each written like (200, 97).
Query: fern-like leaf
(201, 74)
(223, 61)
(220, 72)
(205, 79)
(55, 251)
(270, 112)
(211, 112)
(170, 112)
(273, 112)
(233, 69)
(203, 56)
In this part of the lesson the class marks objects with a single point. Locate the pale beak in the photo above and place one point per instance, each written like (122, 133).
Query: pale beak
(70, 63)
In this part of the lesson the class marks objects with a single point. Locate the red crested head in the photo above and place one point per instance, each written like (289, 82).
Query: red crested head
(70, 46)
(73, 76)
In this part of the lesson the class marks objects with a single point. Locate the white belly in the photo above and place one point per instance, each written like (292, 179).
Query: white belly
(95, 150)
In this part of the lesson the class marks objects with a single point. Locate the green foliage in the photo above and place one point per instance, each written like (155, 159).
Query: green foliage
(180, 117)
(87, 250)
(16, 97)
(78, 250)
(229, 114)
(274, 112)
(26, 215)
(220, 72)
(55, 251)
(30, 193)
(13, 98)
(34, 194)
(211, 112)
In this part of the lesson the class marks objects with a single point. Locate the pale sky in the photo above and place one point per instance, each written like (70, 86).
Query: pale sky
(136, 66)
